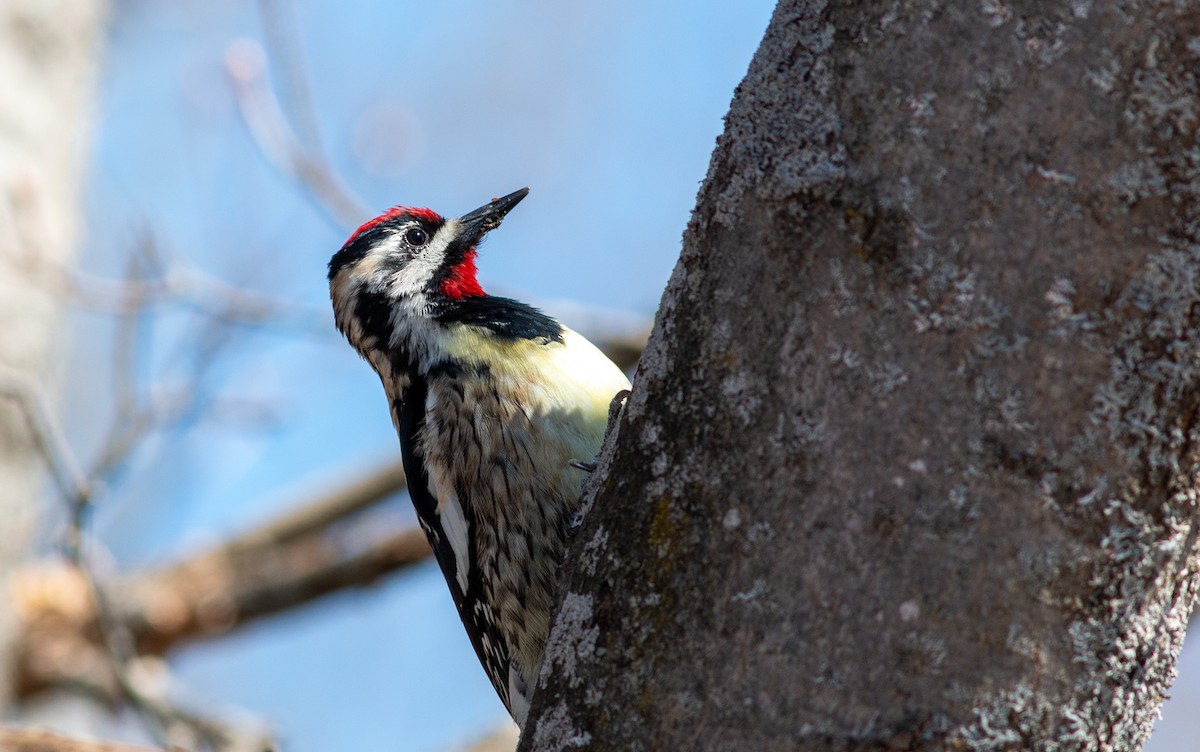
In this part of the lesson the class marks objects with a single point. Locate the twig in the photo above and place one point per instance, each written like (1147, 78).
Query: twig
(177, 282)
(224, 589)
(624, 351)
(285, 51)
(72, 640)
(170, 722)
(14, 739)
(501, 739)
(277, 566)
(246, 63)
(323, 510)
(282, 564)
(74, 486)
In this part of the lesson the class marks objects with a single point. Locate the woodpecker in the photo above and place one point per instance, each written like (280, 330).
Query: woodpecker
(493, 401)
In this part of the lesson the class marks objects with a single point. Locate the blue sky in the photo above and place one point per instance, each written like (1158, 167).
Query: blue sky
(607, 111)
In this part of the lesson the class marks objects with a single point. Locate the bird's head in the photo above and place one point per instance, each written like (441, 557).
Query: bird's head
(408, 264)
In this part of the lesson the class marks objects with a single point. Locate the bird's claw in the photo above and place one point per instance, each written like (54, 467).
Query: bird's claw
(614, 410)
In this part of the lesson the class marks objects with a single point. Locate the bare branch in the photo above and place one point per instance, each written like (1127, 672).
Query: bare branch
(246, 63)
(37, 740)
(279, 565)
(207, 595)
(69, 640)
(318, 513)
(168, 281)
(625, 351)
(502, 739)
(74, 486)
(279, 21)
(170, 722)
(51, 443)
(226, 588)
(284, 563)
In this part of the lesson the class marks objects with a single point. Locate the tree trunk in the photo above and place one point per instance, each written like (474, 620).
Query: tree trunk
(911, 459)
(48, 64)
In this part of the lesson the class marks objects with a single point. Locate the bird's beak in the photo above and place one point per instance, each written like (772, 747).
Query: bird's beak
(488, 217)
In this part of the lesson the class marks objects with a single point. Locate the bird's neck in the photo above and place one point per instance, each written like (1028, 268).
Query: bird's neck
(393, 333)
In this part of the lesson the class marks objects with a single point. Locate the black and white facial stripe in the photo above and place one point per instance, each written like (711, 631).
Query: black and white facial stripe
(406, 255)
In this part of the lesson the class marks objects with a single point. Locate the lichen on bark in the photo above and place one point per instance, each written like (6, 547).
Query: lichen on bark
(911, 460)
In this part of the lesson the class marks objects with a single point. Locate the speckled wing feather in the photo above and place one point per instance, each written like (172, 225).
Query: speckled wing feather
(476, 615)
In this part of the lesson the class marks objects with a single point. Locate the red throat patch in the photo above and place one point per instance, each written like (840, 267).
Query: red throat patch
(462, 283)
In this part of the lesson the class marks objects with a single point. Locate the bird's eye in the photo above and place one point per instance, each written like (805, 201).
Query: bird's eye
(416, 237)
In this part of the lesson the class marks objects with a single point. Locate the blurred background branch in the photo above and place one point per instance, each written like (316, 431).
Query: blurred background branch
(246, 62)
(40, 740)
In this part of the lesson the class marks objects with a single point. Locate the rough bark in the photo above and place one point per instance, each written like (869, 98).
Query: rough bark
(48, 51)
(911, 459)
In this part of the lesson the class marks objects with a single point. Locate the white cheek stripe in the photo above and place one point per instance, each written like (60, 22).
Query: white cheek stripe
(415, 275)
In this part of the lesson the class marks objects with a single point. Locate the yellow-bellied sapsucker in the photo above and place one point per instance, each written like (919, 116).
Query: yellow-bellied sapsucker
(492, 399)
